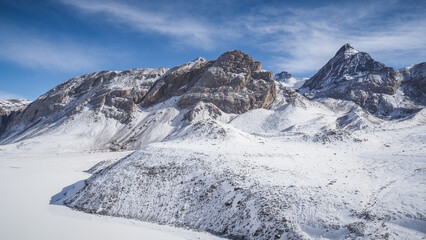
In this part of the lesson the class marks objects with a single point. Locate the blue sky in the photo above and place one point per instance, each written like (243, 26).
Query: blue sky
(45, 42)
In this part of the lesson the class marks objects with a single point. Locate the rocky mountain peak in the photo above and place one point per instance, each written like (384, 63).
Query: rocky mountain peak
(348, 64)
(233, 83)
(237, 61)
(354, 75)
(346, 49)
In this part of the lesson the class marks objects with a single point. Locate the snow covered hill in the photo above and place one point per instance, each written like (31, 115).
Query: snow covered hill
(217, 178)
(223, 148)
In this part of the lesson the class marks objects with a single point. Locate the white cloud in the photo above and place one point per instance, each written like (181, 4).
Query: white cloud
(35, 52)
(187, 30)
(303, 40)
(299, 40)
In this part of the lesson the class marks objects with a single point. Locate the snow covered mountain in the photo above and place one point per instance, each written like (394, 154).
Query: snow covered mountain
(355, 76)
(128, 109)
(223, 148)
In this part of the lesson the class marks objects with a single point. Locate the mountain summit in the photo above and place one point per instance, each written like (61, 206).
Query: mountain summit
(355, 76)
(346, 49)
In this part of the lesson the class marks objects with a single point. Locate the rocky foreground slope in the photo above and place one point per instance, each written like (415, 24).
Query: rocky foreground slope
(224, 148)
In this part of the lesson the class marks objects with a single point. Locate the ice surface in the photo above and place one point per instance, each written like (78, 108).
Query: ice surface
(29, 180)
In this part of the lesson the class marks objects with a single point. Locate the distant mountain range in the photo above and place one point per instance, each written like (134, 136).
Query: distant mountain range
(147, 105)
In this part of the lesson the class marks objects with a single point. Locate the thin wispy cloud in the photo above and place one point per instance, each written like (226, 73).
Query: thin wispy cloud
(296, 39)
(302, 40)
(187, 30)
(8, 95)
(65, 38)
(33, 51)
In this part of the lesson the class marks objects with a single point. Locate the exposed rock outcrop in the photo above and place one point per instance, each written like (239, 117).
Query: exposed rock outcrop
(110, 93)
(234, 83)
(414, 82)
(9, 109)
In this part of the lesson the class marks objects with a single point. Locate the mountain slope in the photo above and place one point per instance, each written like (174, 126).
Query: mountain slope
(353, 75)
(128, 109)
(9, 109)
(217, 178)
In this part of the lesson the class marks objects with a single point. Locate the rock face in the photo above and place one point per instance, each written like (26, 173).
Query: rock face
(414, 82)
(355, 76)
(234, 83)
(110, 93)
(9, 109)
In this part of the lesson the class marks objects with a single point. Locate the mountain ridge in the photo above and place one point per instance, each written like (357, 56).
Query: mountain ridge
(234, 83)
(222, 147)
(355, 76)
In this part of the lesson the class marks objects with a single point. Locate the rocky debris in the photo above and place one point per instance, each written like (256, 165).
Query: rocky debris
(357, 228)
(285, 95)
(12, 105)
(331, 135)
(203, 111)
(355, 76)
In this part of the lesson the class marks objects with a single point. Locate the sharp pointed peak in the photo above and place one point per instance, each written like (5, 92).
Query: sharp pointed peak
(347, 48)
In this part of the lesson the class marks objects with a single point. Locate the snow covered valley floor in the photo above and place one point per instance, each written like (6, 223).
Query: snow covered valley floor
(28, 181)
